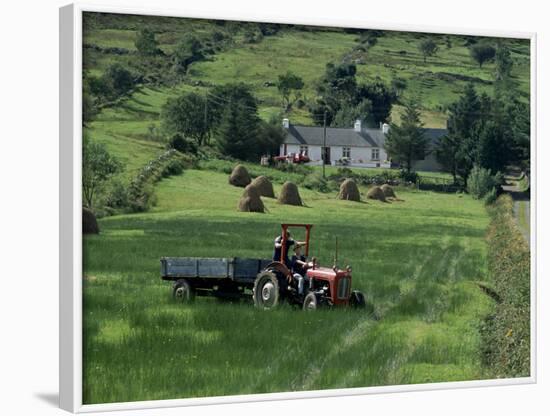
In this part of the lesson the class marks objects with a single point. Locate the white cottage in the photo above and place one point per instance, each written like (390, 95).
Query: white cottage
(360, 146)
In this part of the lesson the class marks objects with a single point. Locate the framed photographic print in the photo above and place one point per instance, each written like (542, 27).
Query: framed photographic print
(260, 209)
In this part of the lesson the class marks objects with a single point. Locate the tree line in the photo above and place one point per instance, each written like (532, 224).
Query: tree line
(230, 113)
(483, 132)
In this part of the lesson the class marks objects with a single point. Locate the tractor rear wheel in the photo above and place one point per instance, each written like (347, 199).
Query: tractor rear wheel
(183, 292)
(266, 293)
(310, 302)
(357, 300)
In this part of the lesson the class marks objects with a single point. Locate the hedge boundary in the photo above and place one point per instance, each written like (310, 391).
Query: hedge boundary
(505, 332)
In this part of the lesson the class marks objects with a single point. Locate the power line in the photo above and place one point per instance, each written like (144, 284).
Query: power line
(229, 101)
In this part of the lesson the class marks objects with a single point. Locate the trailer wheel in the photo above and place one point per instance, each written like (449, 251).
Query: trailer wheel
(310, 302)
(357, 300)
(266, 291)
(183, 292)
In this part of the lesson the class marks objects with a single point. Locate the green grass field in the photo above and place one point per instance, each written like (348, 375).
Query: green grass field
(417, 260)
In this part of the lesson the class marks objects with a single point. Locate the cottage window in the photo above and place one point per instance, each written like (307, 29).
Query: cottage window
(303, 150)
(375, 154)
(346, 152)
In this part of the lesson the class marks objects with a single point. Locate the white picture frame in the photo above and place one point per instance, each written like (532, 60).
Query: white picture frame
(70, 203)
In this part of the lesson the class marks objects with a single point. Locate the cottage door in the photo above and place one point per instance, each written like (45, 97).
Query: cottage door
(326, 155)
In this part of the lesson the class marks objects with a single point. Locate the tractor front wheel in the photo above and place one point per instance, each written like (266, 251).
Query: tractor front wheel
(266, 291)
(310, 302)
(183, 292)
(357, 300)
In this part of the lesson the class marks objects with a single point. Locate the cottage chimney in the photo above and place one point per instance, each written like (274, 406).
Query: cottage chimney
(286, 123)
(385, 128)
(357, 126)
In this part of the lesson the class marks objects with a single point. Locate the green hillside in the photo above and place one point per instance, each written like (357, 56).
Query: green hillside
(128, 128)
(305, 52)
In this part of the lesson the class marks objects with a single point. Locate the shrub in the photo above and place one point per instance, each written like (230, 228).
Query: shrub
(186, 51)
(145, 42)
(174, 167)
(117, 80)
(480, 182)
(118, 196)
(181, 144)
(491, 196)
(316, 182)
(408, 176)
(141, 197)
(499, 180)
(218, 36)
(344, 172)
(98, 166)
(388, 176)
(294, 168)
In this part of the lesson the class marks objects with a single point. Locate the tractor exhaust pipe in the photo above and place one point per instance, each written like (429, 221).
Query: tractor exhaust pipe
(336, 255)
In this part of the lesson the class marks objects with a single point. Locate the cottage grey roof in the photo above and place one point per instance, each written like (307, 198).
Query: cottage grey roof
(368, 137)
(313, 135)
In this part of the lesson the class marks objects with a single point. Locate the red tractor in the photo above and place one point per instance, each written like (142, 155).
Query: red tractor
(325, 286)
(270, 281)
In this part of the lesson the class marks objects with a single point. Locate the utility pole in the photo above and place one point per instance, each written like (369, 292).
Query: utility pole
(206, 113)
(324, 152)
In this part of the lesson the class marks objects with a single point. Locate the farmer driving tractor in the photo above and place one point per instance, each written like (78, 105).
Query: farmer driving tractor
(299, 266)
(277, 253)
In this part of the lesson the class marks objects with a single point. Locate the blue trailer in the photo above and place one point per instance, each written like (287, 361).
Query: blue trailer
(220, 277)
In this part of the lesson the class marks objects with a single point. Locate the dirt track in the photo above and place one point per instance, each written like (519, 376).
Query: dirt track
(522, 205)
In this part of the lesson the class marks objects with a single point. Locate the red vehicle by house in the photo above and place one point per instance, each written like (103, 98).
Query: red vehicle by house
(293, 158)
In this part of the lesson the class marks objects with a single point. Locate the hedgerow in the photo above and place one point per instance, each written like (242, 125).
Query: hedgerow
(139, 195)
(506, 331)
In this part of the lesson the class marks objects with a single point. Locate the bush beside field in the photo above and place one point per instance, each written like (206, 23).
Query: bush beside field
(506, 333)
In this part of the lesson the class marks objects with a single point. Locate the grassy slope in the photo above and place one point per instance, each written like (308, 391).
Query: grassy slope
(416, 261)
(125, 128)
(306, 53)
(303, 53)
(398, 55)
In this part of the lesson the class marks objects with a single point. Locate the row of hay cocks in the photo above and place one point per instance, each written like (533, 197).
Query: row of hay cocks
(261, 186)
(349, 191)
